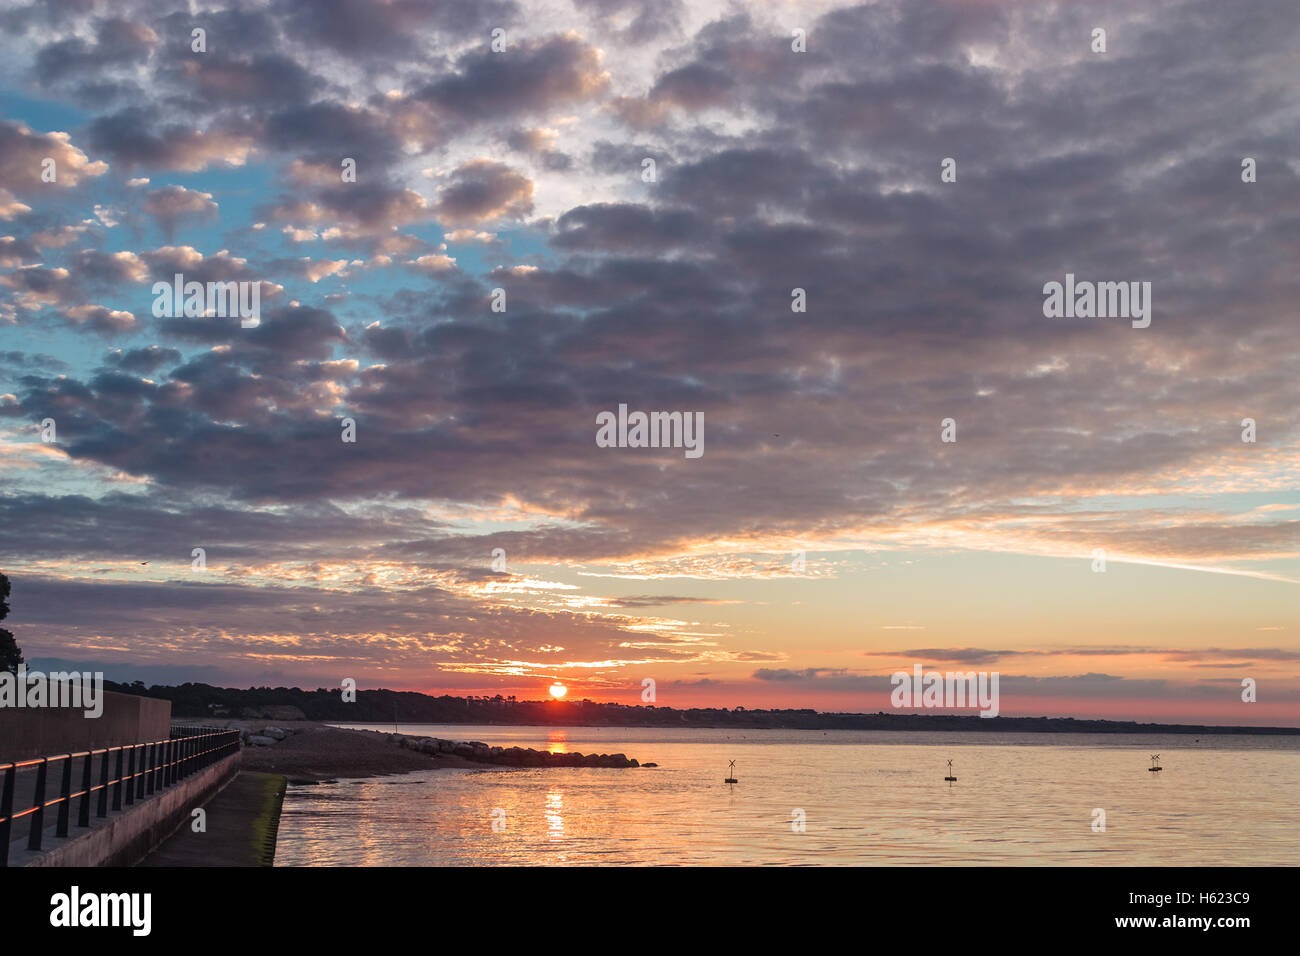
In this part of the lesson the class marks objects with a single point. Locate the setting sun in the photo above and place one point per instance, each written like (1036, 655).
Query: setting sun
(558, 690)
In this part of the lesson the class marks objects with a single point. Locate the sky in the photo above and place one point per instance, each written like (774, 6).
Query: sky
(824, 229)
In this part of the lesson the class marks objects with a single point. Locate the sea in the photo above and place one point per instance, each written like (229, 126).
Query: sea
(816, 798)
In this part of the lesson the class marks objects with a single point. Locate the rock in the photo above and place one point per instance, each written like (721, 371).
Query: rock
(257, 740)
(463, 749)
(275, 733)
(447, 746)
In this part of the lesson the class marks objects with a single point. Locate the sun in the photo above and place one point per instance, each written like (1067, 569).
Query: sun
(558, 690)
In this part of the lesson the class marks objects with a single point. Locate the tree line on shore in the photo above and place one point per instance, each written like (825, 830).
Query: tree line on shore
(191, 700)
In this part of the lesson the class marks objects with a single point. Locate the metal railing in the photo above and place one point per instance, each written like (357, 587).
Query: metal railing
(139, 770)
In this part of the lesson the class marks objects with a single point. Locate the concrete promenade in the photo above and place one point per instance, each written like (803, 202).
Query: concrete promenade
(242, 821)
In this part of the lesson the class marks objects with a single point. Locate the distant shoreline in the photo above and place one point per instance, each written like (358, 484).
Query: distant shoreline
(1123, 728)
(200, 701)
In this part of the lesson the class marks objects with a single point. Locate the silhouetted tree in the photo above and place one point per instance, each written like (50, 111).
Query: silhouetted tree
(11, 655)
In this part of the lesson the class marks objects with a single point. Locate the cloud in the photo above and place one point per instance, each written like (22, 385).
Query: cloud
(434, 264)
(117, 43)
(808, 673)
(100, 319)
(530, 78)
(131, 140)
(170, 204)
(626, 227)
(143, 360)
(23, 153)
(483, 191)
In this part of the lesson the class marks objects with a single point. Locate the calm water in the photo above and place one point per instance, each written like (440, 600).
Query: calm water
(867, 798)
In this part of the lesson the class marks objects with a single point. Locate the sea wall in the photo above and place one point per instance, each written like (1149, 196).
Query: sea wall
(27, 732)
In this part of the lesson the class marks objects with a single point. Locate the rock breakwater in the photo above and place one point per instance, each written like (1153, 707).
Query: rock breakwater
(510, 756)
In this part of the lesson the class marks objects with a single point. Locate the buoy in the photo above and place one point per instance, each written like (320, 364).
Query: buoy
(731, 770)
(1155, 764)
(950, 777)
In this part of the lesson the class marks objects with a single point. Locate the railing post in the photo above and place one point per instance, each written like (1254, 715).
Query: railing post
(102, 809)
(117, 782)
(130, 776)
(151, 752)
(6, 814)
(83, 811)
(139, 784)
(38, 818)
(65, 798)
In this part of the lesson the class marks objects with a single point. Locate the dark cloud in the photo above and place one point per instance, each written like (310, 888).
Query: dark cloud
(530, 77)
(131, 139)
(117, 43)
(625, 226)
(392, 29)
(218, 79)
(482, 191)
(143, 360)
(171, 204)
(17, 252)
